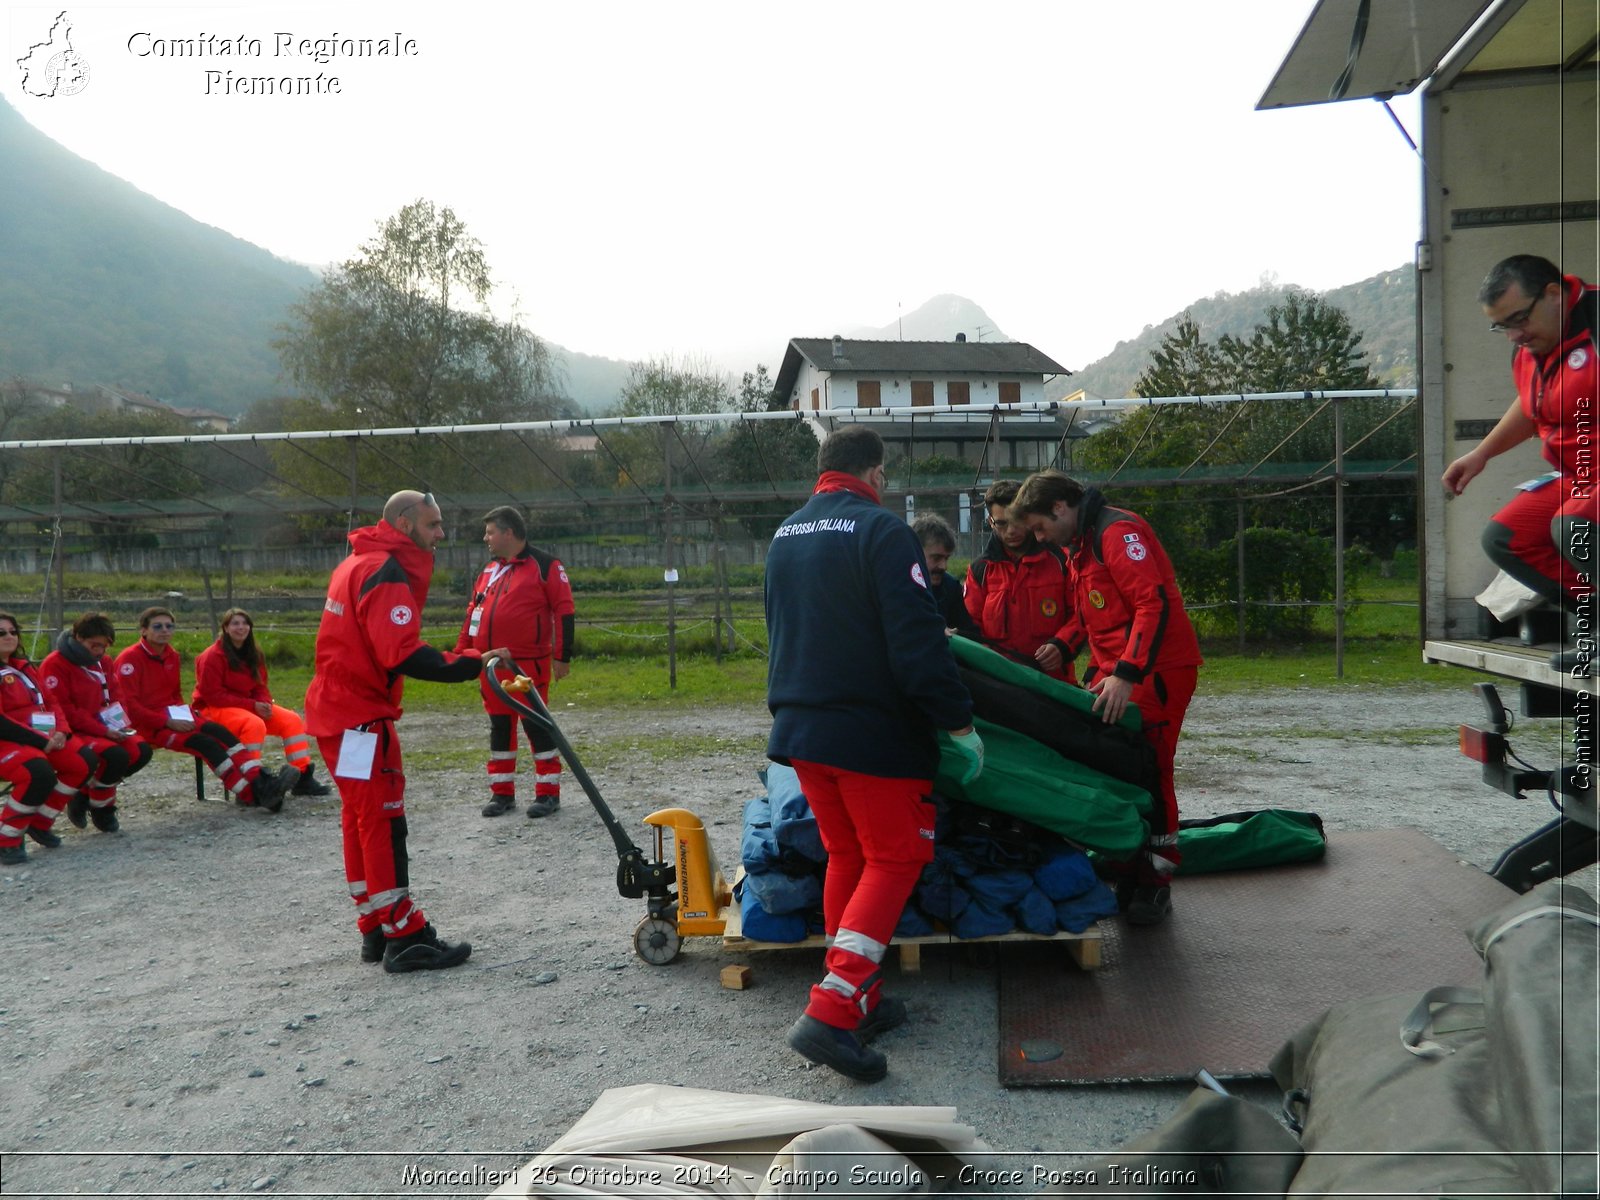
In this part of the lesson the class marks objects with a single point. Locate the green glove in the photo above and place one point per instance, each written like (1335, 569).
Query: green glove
(969, 746)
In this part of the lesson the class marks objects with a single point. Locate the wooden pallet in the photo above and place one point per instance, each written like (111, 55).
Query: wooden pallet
(1084, 948)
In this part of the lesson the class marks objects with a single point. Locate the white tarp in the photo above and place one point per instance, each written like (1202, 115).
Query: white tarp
(655, 1140)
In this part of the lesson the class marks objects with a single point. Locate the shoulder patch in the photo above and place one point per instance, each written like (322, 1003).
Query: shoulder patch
(50, 681)
(126, 668)
(916, 575)
(1577, 358)
(400, 614)
(1136, 550)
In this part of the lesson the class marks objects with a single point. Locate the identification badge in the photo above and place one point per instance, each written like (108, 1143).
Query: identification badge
(477, 616)
(179, 712)
(356, 752)
(112, 716)
(1533, 485)
(42, 721)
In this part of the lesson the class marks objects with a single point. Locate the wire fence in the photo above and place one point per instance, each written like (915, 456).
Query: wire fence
(703, 492)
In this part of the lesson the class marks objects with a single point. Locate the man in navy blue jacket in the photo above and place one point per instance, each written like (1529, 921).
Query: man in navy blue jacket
(863, 690)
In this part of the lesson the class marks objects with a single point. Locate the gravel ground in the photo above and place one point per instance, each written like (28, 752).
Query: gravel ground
(185, 1013)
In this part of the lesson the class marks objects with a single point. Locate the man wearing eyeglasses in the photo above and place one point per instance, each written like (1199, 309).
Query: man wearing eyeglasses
(370, 638)
(1544, 538)
(150, 673)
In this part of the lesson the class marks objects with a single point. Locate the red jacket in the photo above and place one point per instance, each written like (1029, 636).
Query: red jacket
(220, 684)
(1128, 598)
(1020, 604)
(80, 690)
(149, 683)
(1558, 391)
(526, 606)
(21, 695)
(371, 634)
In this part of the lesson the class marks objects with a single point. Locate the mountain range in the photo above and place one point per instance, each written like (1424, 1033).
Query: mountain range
(104, 284)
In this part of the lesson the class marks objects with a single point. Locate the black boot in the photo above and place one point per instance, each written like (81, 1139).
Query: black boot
(105, 819)
(372, 946)
(837, 1048)
(78, 810)
(48, 838)
(309, 784)
(423, 951)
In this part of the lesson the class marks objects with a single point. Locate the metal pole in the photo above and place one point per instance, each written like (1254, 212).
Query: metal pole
(1238, 545)
(672, 573)
(227, 552)
(354, 461)
(1338, 539)
(58, 608)
(716, 584)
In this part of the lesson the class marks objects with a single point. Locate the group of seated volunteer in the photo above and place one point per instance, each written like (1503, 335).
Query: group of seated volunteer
(78, 724)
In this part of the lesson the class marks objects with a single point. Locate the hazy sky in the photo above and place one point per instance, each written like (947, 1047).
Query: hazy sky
(711, 179)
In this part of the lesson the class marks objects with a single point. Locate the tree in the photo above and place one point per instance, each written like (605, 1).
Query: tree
(401, 334)
(765, 452)
(1303, 345)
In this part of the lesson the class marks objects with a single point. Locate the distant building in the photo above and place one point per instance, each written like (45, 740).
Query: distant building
(102, 399)
(824, 375)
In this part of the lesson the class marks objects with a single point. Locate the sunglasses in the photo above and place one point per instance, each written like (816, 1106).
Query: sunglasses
(10, 633)
(427, 499)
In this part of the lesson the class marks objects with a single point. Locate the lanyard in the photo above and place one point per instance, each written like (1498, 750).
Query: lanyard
(38, 698)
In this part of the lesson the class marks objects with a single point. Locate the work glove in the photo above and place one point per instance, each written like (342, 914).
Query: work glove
(968, 747)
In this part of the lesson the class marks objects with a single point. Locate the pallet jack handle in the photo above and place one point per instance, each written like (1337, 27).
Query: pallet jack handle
(634, 874)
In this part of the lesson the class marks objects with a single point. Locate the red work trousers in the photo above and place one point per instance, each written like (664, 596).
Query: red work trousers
(1163, 698)
(1531, 519)
(878, 833)
(373, 816)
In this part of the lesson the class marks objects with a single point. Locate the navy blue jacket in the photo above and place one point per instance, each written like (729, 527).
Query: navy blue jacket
(859, 674)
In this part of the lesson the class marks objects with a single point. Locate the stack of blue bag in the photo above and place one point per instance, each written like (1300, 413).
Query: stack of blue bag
(976, 885)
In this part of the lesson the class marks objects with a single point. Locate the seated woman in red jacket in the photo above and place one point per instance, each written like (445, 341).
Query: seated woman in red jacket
(230, 688)
(79, 677)
(41, 760)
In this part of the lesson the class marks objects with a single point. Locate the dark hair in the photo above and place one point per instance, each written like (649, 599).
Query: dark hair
(508, 519)
(1039, 493)
(150, 614)
(1001, 492)
(855, 450)
(17, 625)
(1530, 272)
(935, 529)
(246, 657)
(94, 625)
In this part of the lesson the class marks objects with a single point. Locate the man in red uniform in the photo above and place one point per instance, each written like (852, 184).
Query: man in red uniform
(150, 676)
(1018, 593)
(522, 600)
(1142, 648)
(369, 639)
(79, 678)
(1545, 537)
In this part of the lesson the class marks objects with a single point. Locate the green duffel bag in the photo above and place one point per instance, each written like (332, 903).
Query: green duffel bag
(1269, 837)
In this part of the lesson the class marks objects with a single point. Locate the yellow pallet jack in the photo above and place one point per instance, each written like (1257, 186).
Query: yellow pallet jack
(702, 893)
